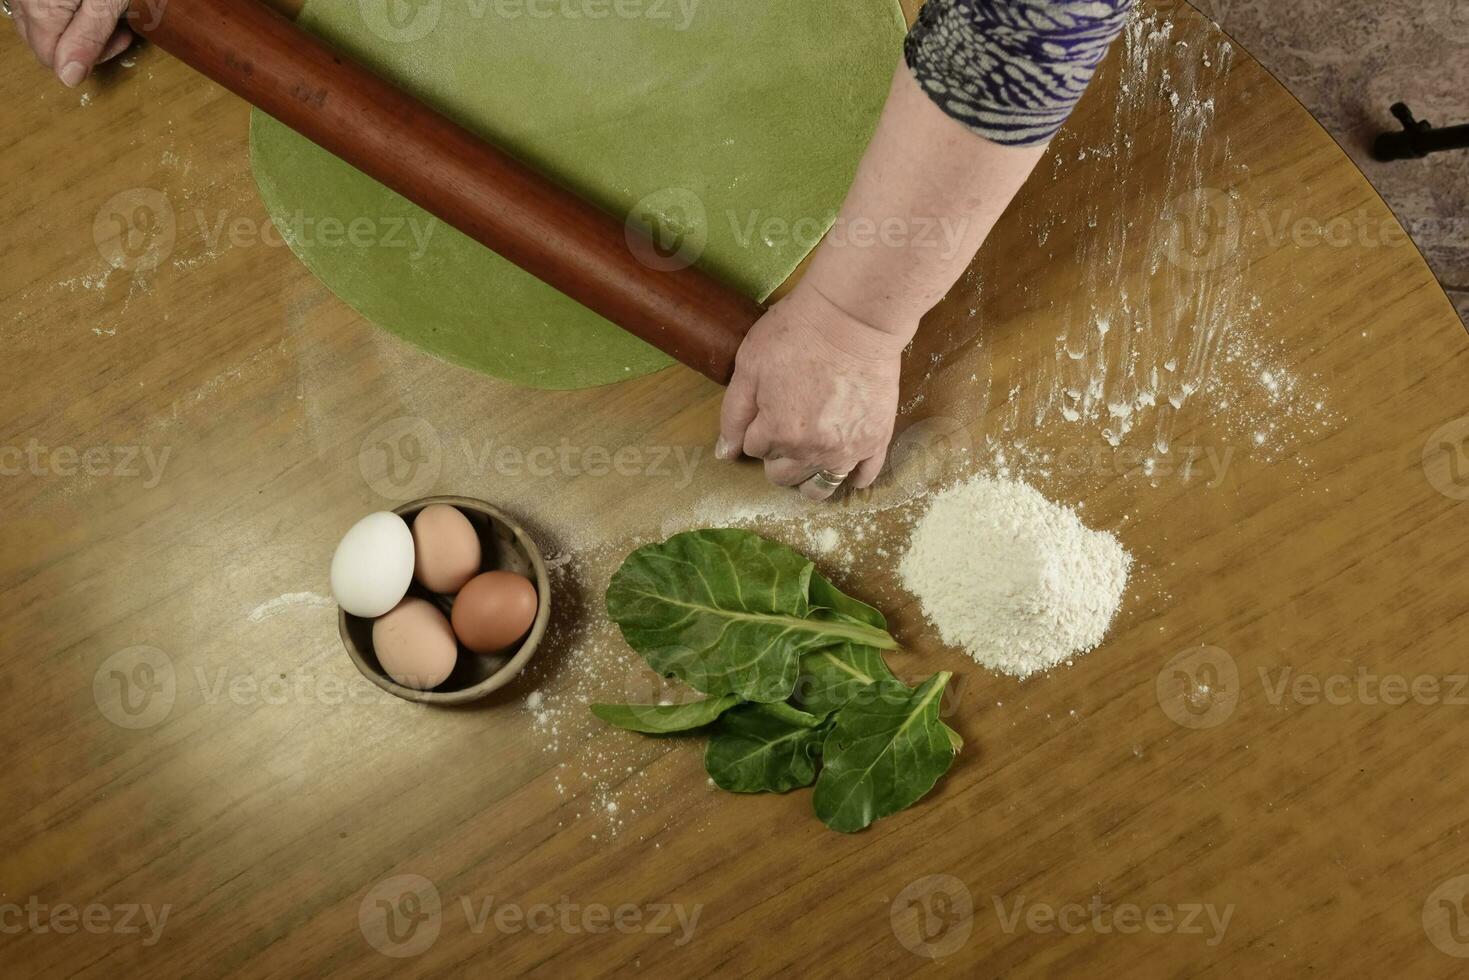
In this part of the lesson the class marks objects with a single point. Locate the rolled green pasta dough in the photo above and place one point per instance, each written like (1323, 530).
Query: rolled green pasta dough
(732, 127)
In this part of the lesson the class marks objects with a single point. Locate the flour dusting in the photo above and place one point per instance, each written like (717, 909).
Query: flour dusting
(290, 600)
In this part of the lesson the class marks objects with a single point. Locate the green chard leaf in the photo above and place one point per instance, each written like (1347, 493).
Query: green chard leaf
(884, 754)
(955, 739)
(828, 599)
(764, 748)
(751, 623)
(665, 719)
(830, 678)
(729, 612)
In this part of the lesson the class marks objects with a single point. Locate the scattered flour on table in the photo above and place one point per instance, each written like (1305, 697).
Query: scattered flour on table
(617, 781)
(1016, 580)
(290, 600)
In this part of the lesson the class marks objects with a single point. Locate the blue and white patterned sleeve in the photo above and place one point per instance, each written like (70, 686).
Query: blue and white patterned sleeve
(1012, 70)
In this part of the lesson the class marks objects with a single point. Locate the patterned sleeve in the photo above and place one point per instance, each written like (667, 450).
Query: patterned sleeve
(1012, 70)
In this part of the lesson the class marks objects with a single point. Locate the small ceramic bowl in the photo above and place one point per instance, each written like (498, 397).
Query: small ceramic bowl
(505, 546)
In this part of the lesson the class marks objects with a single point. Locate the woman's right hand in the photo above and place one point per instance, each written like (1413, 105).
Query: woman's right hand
(71, 37)
(814, 390)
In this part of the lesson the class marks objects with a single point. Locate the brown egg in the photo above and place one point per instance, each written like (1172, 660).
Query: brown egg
(446, 551)
(415, 645)
(493, 611)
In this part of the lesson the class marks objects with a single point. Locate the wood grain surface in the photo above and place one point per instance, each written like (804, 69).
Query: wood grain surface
(1253, 775)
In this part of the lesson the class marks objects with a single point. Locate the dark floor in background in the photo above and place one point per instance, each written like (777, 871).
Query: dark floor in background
(1348, 61)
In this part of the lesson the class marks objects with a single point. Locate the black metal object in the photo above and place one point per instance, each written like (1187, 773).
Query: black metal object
(1418, 138)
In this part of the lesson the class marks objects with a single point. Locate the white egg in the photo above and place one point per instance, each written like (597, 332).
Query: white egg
(373, 565)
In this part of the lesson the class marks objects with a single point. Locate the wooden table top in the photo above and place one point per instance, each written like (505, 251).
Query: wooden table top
(1253, 773)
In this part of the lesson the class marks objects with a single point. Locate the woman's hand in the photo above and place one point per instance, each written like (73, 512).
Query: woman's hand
(814, 389)
(816, 383)
(71, 37)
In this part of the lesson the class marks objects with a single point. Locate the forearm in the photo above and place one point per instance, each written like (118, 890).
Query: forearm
(913, 221)
(984, 86)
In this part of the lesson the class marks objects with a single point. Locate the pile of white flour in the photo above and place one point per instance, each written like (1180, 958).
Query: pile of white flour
(1017, 581)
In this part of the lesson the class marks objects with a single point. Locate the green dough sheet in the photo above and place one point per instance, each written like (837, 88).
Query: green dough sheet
(735, 123)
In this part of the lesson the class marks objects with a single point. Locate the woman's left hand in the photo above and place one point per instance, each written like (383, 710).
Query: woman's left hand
(814, 390)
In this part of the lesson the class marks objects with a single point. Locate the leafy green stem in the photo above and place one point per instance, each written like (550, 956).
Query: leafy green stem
(867, 636)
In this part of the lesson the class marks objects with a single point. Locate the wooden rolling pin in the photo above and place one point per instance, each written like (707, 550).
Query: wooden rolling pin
(553, 234)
